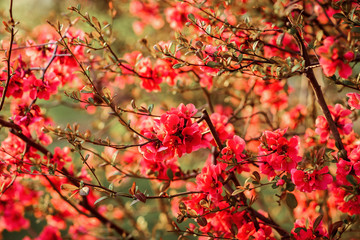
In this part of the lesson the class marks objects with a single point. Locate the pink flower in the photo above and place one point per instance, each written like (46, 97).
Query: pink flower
(49, 233)
(13, 217)
(148, 12)
(233, 152)
(301, 232)
(331, 61)
(354, 100)
(246, 231)
(349, 56)
(149, 80)
(61, 156)
(343, 169)
(308, 181)
(174, 132)
(280, 182)
(339, 115)
(278, 152)
(294, 117)
(208, 181)
(177, 15)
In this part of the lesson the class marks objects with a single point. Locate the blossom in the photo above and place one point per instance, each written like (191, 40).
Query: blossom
(307, 181)
(208, 181)
(354, 100)
(12, 217)
(294, 117)
(339, 115)
(278, 153)
(234, 147)
(148, 12)
(302, 232)
(177, 15)
(174, 132)
(61, 156)
(49, 232)
(331, 58)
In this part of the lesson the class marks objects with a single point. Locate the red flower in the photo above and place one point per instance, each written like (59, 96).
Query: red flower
(339, 115)
(234, 147)
(208, 181)
(278, 153)
(49, 233)
(174, 132)
(331, 60)
(354, 100)
(307, 181)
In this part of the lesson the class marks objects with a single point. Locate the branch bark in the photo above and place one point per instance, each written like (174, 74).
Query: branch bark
(16, 130)
(8, 57)
(319, 94)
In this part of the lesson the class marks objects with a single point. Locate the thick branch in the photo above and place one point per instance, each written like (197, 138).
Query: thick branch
(319, 94)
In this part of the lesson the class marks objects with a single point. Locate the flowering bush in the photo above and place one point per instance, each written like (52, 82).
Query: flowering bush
(221, 130)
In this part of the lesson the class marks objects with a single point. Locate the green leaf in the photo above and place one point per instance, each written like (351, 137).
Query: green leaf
(296, 67)
(291, 200)
(134, 202)
(178, 65)
(351, 179)
(290, 186)
(212, 64)
(172, 48)
(191, 17)
(355, 29)
(170, 174)
(338, 15)
(208, 29)
(298, 229)
(349, 197)
(100, 199)
(255, 45)
(150, 108)
(114, 156)
(237, 191)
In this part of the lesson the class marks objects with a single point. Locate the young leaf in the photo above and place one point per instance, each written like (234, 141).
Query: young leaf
(191, 17)
(100, 199)
(170, 174)
(317, 222)
(291, 200)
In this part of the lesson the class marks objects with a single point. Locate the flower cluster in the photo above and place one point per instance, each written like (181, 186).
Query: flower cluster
(343, 123)
(174, 133)
(332, 58)
(308, 181)
(277, 153)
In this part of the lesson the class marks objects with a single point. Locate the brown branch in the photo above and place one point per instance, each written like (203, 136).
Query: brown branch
(2, 191)
(31, 143)
(64, 198)
(96, 91)
(254, 215)
(105, 220)
(213, 132)
(319, 94)
(8, 57)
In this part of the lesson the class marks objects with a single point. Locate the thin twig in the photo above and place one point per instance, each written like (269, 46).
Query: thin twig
(8, 58)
